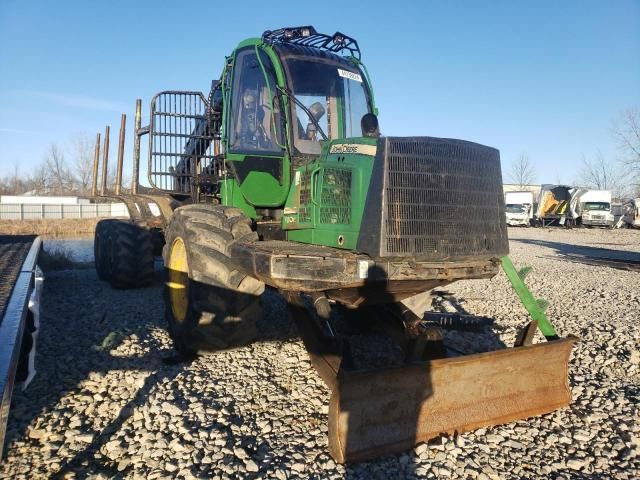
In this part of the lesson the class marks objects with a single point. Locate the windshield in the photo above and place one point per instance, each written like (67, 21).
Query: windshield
(514, 208)
(333, 93)
(597, 206)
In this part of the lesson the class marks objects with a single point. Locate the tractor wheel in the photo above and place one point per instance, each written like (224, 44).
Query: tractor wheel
(100, 251)
(209, 305)
(130, 251)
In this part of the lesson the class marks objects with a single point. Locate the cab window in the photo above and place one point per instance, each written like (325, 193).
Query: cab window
(255, 123)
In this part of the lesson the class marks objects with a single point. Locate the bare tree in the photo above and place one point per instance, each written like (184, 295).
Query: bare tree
(602, 175)
(82, 150)
(626, 131)
(597, 173)
(58, 172)
(40, 180)
(522, 171)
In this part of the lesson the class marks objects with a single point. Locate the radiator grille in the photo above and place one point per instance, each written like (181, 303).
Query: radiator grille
(304, 212)
(442, 199)
(336, 196)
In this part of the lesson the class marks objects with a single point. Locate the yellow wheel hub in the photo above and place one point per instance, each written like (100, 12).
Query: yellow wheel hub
(178, 281)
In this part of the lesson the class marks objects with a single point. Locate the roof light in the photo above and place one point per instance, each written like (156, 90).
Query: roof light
(338, 38)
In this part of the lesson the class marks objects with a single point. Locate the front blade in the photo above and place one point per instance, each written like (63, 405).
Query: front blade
(386, 411)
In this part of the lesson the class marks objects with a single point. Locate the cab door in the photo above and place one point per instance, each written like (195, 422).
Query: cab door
(255, 140)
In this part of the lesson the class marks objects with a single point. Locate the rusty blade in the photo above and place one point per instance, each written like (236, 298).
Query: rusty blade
(386, 411)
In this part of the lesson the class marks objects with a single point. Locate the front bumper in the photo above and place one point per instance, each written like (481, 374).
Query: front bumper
(597, 222)
(312, 268)
(518, 222)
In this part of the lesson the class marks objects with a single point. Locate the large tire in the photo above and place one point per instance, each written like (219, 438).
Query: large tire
(209, 304)
(130, 251)
(100, 250)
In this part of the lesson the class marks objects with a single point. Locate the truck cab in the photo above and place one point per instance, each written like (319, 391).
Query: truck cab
(518, 208)
(594, 207)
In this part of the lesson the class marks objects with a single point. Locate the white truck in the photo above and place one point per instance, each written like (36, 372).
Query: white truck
(593, 208)
(518, 208)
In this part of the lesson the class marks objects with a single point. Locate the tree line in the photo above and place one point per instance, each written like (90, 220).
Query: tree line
(621, 176)
(63, 170)
(69, 171)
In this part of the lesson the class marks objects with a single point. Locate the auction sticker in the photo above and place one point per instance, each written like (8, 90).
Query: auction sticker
(350, 75)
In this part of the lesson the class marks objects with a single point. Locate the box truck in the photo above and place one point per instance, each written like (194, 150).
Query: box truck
(592, 208)
(518, 208)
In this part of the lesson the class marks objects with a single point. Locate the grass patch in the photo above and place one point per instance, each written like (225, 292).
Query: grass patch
(57, 259)
(52, 227)
(109, 341)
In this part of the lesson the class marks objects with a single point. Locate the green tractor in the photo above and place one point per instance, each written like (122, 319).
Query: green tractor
(280, 178)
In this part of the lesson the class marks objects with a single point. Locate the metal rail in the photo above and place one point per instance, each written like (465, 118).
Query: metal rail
(12, 329)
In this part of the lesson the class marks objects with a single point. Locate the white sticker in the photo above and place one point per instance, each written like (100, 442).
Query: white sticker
(361, 149)
(363, 268)
(297, 178)
(350, 75)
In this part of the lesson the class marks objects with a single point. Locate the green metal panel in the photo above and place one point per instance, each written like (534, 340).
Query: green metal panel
(231, 195)
(327, 198)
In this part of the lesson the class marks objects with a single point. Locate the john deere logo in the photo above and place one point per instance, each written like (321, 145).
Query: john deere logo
(343, 148)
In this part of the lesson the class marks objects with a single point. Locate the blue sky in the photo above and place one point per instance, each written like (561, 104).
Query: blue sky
(544, 77)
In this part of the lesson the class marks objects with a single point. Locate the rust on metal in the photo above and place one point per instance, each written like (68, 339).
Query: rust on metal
(527, 334)
(105, 162)
(96, 162)
(390, 410)
(123, 122)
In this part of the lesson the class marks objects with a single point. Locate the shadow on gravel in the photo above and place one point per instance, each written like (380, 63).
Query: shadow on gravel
(83, 321)
(77, 333)
(85, 460)
(381, 384)
(621, 259)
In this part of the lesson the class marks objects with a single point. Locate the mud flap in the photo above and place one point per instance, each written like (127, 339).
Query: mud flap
(386, 411)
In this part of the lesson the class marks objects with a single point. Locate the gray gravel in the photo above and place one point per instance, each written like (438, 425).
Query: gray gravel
(104, 405)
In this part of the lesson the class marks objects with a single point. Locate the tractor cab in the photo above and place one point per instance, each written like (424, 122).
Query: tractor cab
(290, 91)
(280, 99)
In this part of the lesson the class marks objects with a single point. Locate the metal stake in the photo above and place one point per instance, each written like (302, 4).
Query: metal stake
(123, 122)
(136, 148)
(105, 161)
(96, 162)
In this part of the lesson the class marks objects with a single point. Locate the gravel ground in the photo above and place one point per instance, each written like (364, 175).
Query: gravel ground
(104, 405)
